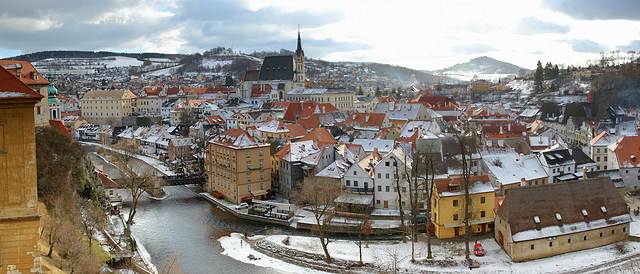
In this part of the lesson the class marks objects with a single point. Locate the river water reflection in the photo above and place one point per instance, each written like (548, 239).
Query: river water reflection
(188, 226)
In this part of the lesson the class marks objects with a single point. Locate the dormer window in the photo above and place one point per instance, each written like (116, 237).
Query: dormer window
(536, 219)
(454, 187)
(604, 210)
(559, 217)
(585, 213)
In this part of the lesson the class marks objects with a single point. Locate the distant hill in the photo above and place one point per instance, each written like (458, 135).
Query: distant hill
(37, 56)
(480, 66)
(221, 61)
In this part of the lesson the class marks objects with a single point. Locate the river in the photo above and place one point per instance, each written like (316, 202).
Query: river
(186, 227)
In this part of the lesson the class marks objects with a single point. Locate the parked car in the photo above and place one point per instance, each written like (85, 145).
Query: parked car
(478, 250)
(242, 205)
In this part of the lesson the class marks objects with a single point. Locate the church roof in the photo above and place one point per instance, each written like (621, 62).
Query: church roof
(277, 68)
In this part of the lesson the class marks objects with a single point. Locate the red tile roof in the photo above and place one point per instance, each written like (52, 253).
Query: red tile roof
(29, 74)
(11, 87)
(628, 151)
(373, 120)
(106, 181)
(59, 125)
(296, 131)
(321, 136)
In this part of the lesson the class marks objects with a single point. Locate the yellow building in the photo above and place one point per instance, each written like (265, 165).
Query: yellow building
(447, 206)
(342, 99)
(107, 107)
(19, 216)
(238, 166)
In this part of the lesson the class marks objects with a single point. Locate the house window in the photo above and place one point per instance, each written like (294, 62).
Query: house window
(366, 185)
(395, 163)
(248, 165)
(261, 152)
(386, 188)
(355, 183)
(348, 182)
(613, 232)
(249, 188)
(354, 173)
(377, 201)
(261, 175)
(249, 177)
(248, 154)
(482, 200)
(532, 247)
(585, 238)
(395, 189)
(379, 175)
(379, 188)
(568, 241)
(605, 158)
(404, 189)
(387, 175)
(600, 234)
(386, 163)
(455, 217)
(455, 202)
(624, 229)
(598, 159)
(261, 164)
(550, 244)
(482, 214)
(261, 186)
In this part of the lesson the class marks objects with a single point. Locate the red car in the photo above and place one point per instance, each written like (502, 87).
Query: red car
(478, 250)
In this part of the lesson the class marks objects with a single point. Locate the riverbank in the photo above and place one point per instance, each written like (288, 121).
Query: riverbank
(384, 256)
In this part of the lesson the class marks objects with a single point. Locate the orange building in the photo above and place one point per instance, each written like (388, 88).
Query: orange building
(19, 216)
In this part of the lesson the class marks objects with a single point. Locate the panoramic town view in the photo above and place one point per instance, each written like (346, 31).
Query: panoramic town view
(183, 136)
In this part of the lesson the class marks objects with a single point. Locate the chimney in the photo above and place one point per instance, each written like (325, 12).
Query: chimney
(584, 172)
(523, 182)
(509, 127)
(501, 143)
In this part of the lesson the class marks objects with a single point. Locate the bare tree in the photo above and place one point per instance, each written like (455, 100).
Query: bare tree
(362, 228)
(319, 196)
(94, 220)
(135, 180)
(428, 196)
(464, 139)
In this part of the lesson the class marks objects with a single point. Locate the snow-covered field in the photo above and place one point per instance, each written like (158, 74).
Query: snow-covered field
(596, 260)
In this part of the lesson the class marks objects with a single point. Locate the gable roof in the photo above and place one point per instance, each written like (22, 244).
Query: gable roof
(277, 68)
(236, 138)
(569, 200)
(627, 151)
(28, 74)
(321, 136)
(477, 184)
(59, 125)
(11, 87)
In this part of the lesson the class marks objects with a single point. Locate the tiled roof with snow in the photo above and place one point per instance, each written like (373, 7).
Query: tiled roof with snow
(236, 138)
(508, 167)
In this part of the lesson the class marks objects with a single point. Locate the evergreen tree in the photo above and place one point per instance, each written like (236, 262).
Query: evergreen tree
(548, 71)
(538, 77)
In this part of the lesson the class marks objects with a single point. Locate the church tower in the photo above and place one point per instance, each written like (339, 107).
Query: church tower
(299, 73)
(54, 103)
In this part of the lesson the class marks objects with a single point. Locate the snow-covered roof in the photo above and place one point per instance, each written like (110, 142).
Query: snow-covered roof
(554, 231)
(370, 145)
(335, 169)
(509, 167)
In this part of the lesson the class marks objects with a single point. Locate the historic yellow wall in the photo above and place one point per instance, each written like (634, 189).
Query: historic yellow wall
(19, 217)
(443, 210)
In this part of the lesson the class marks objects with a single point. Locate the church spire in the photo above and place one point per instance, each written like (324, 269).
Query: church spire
(299, 51)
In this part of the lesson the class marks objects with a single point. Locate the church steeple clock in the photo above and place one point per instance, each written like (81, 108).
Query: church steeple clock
(299, 58)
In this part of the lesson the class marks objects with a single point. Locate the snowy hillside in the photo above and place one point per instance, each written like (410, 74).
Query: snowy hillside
(482, 67)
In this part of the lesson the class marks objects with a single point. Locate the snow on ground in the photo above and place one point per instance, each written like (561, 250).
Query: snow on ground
(381, 253)
(162, 72)
(211, 63)
(121, 61)
(526, 86)
(155, 163)
(233, 248)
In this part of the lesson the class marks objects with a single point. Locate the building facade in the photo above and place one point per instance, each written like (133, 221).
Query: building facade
(19, 216)
(107, 107)
(238, 166)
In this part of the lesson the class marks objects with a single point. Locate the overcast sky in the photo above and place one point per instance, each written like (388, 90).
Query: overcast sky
(419, 34)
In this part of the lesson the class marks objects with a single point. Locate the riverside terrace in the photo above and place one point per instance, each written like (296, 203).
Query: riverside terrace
(175, 180)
